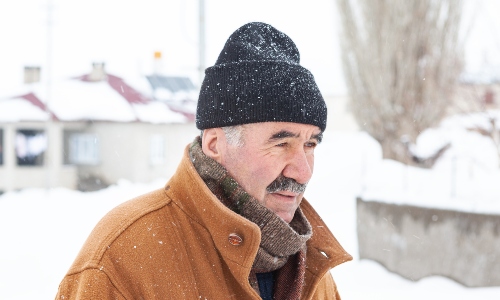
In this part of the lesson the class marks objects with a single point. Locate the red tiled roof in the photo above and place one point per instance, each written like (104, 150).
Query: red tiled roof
(129, 93)
(33, 99)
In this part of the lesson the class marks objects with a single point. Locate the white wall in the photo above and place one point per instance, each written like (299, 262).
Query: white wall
(125, 150)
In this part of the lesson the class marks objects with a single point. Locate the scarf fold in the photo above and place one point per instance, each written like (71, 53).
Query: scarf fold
(282, 246)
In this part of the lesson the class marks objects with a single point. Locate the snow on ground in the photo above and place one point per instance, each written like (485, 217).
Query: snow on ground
(42, 231)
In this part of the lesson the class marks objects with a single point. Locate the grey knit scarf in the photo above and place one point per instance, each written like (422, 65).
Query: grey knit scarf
(280, 240)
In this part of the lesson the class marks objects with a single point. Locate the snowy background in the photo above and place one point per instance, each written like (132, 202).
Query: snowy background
(41, 231)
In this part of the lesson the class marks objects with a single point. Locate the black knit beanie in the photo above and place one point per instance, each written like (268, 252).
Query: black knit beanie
(257, 78)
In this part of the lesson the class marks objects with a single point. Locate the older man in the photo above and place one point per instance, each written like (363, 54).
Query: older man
(232, 221)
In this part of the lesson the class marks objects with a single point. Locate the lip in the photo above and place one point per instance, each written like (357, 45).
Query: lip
(285, 195)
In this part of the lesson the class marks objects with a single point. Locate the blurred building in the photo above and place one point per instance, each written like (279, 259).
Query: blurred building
(89, 131)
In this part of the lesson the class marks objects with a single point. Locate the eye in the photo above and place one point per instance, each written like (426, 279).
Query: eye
(310, 144)
(282, 144)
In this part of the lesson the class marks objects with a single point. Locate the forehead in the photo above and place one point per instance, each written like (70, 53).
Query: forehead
(265, 130)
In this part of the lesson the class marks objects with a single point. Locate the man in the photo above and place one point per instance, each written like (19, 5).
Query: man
(231, 223)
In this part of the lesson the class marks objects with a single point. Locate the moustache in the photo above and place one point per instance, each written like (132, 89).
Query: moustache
(283, 183)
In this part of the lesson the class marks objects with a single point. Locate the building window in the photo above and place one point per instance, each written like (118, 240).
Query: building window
(1, 147)
(30, 147)
(157, 150)
(83, 149)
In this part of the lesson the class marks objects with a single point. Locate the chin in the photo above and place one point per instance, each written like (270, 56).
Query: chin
(286, 217)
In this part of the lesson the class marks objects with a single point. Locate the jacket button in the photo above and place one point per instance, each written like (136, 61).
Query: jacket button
(235, 239)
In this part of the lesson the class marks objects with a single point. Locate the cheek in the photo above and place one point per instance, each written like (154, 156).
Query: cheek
(265, 172)
(268, 169)
(242, 165)
(259, 171)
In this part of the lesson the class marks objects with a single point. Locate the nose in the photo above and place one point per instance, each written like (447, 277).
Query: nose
(300, 166)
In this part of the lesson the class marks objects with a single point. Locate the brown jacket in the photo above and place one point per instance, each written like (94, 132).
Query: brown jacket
(173, 243)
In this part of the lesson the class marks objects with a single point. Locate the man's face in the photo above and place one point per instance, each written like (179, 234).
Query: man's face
(273, 150)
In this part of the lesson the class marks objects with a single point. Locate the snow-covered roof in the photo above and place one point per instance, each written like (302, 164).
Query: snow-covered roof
(20, 109)
(80, 99)
(177, 91)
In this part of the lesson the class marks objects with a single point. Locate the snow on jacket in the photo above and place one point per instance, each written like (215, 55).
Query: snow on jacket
(178, 242)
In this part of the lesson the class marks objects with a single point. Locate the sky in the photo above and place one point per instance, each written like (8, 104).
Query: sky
(125, 33)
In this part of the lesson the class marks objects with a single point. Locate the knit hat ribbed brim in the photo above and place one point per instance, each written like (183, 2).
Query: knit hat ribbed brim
(257, 78)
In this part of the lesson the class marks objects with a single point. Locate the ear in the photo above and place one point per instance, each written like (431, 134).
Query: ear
(213, 141)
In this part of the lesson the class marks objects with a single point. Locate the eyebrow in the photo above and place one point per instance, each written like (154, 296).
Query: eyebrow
(287, 134)
(282, 135)
(318, 137)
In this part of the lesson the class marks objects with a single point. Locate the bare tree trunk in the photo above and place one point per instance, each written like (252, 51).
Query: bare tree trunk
(401, 61)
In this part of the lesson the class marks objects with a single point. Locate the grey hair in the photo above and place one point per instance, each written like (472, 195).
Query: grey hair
(234, 135)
